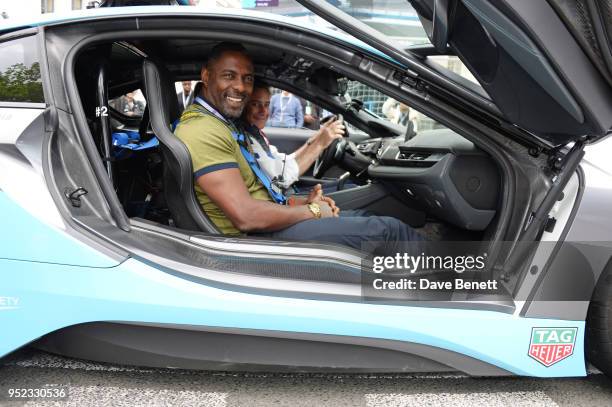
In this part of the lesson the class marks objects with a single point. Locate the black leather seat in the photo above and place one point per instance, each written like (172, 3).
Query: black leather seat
(177, 169)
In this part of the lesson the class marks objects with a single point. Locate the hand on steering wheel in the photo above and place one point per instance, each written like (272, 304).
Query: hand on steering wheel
(330, 135)
(331, 130)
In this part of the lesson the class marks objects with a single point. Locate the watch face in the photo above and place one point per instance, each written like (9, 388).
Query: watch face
(315, 209)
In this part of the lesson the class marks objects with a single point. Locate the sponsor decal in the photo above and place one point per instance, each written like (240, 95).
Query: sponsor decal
(7, 303)
(551, 345)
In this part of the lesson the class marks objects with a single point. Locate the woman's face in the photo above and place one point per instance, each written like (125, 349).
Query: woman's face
(257, 109)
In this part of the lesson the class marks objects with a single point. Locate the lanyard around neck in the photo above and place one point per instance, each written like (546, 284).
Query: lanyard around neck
(211, 109)
(284, 106)
(219, 116)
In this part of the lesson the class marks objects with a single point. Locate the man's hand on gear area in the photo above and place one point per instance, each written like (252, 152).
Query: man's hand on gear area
(316, 195)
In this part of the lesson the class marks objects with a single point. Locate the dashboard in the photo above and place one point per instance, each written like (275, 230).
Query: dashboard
(439, 172)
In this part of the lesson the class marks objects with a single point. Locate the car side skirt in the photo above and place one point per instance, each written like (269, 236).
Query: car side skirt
(233, 349)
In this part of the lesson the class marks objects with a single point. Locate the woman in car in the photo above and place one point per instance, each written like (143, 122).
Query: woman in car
(283, 169)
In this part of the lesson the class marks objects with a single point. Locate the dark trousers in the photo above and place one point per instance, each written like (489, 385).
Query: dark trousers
(355, 228)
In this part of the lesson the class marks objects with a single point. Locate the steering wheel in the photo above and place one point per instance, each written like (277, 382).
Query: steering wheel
(331, 154)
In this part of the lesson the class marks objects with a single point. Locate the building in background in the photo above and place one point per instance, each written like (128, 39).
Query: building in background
(22, 9)
(58, 6)
(11, 10)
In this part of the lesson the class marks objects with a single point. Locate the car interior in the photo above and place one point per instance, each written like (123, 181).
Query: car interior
(435, 180)
(132, 183)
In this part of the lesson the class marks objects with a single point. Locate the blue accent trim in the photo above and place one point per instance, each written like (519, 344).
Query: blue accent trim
(213, 168)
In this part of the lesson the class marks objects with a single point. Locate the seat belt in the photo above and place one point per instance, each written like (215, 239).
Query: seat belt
(274, 191)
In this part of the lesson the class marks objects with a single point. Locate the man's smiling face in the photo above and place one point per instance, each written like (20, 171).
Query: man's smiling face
(228, 83)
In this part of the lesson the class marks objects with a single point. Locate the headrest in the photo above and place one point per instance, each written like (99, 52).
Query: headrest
(161, 92)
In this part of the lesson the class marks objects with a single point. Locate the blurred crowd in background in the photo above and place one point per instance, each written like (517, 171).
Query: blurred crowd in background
(291, 111)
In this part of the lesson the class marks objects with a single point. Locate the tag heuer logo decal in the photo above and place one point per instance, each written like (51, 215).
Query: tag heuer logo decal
(551, 345)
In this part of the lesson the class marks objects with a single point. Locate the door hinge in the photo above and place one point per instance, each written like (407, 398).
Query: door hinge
(557, 159)
(74, 195)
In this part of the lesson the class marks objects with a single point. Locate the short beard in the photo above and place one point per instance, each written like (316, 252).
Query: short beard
(231, 113)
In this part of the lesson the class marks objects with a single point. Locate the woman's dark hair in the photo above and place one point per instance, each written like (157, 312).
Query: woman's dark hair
(259, 84)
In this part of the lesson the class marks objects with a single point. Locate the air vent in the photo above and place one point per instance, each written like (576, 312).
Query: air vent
(417, 164)
(408, 155)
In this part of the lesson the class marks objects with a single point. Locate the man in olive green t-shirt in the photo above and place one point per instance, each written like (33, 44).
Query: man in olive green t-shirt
(217, 151)
(227, 188)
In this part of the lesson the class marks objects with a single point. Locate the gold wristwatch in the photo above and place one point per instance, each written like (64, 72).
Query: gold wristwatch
(315, 209)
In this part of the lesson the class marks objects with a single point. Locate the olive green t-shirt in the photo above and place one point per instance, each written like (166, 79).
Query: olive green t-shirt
(212, 148)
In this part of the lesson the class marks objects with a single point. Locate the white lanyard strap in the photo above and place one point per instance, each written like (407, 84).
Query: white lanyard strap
(211, 109)
(283, 107)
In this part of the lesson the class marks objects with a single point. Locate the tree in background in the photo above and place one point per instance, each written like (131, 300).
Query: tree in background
(18, 83)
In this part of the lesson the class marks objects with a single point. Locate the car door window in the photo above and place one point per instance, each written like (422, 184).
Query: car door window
(20, 79)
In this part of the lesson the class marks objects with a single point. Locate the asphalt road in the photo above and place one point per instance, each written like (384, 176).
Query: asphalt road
(93, 384)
